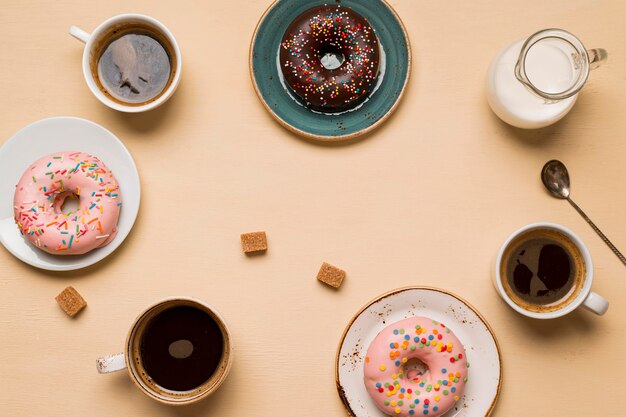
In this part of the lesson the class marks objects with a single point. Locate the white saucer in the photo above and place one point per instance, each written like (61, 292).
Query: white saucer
(59, 134)
(483, 353)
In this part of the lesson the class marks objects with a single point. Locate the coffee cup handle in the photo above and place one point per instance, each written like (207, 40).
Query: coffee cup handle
(111, 363)
(79, 34)
(596, 303)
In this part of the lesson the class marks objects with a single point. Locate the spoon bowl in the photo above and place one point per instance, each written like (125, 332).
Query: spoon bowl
(555, 178)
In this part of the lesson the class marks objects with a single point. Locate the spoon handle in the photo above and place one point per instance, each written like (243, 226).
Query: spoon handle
(598, 231)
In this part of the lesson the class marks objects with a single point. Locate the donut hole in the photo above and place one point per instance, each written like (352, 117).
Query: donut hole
(67, 203)
(331, 57)
(414, 368)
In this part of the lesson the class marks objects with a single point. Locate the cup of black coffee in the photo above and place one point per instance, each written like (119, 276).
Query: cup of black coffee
(131, 62)
(544, 270)
(177, 351)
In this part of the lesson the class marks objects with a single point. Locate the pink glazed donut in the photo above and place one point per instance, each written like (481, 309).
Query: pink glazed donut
(400, 392)
(44, 187)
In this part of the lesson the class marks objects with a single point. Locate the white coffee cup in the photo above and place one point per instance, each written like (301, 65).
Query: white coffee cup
(100, 35)
(585, 297)
(131, 360)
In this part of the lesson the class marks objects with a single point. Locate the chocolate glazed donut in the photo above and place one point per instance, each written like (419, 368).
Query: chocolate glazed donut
(329, 57)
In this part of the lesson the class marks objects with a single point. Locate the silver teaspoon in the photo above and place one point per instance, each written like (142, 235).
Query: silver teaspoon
(555, 178)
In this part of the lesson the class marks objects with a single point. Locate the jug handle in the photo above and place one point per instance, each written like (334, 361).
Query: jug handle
(597, 57)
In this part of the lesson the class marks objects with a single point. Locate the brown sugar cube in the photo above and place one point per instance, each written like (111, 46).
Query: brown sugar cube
(331, 275)
(70, 301)
(255, 242)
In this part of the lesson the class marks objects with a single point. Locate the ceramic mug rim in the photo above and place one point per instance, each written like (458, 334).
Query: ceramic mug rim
(587, 279)
(94, 37)
(131, 367)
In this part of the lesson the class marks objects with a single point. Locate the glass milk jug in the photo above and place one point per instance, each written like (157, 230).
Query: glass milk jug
(534, 82)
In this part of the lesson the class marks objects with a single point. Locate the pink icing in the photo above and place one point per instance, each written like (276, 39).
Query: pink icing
(44, 187)
(410, 392)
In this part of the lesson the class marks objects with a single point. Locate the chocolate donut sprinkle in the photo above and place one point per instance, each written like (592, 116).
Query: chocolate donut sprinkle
(337, 35)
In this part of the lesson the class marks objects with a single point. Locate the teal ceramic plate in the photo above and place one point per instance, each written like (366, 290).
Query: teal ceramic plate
(276, 98)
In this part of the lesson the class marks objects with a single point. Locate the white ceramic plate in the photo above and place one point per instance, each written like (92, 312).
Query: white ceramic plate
(483, 353)
(59, 134)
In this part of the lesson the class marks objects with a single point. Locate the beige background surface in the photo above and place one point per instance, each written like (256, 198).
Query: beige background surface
(425, 200)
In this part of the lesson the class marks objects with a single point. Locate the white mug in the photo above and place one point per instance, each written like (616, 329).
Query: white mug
(131, 358)
(585, 297)
(101, 34)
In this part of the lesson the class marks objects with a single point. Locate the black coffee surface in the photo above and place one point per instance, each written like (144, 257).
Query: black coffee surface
(134, 68)
(541, 271)
(553, 268)
(181, 348)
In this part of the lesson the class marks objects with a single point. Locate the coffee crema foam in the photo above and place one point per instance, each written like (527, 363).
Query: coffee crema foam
(134, 64)
(542, 270)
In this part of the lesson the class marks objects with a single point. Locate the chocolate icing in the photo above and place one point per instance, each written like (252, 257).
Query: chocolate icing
(338, 31)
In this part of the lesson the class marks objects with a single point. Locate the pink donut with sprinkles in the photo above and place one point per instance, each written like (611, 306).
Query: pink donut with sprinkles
(400, 389)
(329, 57)
(44, 188)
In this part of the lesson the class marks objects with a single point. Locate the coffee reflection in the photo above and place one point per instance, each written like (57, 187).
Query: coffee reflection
(543, 270)
(134, 68)
(135, 65)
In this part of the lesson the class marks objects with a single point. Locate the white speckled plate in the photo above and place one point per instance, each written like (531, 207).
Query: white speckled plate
(59, 134)
(483, 353)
